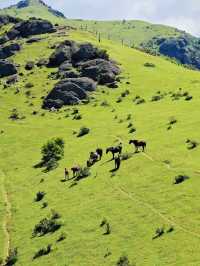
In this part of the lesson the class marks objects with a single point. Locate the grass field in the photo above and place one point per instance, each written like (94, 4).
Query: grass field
(138, 199)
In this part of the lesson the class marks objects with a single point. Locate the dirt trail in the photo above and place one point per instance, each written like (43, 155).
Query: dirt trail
(132, 196)
(7, 217)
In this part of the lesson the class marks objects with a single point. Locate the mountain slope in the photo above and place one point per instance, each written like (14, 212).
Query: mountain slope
(138, 199)
(146, 36)
(33, 8)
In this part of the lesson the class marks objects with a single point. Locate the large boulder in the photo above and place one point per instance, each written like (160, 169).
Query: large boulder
(100, 70)
(69, 92)
(5, 19)
(7, 68)
(9, 50)
(33, 26)
(63, 53)
(87, 52)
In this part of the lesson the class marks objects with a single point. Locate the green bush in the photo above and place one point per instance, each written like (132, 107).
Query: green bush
(39, 196)
(83, 173)
(83, 131)
(52, 152)
(45, 226)
(12, 257)
(42, 252)
(123, 261)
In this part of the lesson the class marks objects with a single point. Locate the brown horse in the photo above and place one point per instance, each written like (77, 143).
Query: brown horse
(117, 162)
(138, 144)
(114, 150)
(75, 170)
(100, 153)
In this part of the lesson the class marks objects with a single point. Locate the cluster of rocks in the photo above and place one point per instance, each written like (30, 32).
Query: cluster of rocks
(26, 28)
(7, 68)
(5, 19)
(80, 67)
(9, 50)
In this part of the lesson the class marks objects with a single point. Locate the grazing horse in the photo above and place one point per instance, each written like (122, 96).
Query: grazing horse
(75, 171)
(100, 153)
(138, 144)
(117, 162)
(114, 150)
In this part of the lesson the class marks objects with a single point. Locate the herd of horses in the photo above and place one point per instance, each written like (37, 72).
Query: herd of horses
(96, 156)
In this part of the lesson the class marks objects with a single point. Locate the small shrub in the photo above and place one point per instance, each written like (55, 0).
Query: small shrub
(29, 85)
(130, 125)
(46, 226)
(75, 111)
(156, 98)
(188, 98)
(108, 229)
(39, 196)
(180, 179)
(132, 130)
(83, 131)
(61, 237)
(83, 173)
(14, 114)
(77, 117)
(104, 104)
(119, 100)
(103, 222)
(55, 215)
(129, 116)
(159, 232)
(170, 230)
(149, 64)
(43, 252)
(140, 101)
(191, 144)
(125, 93)
(123, 261)
(44, 205)
(172, 121)
(12, 257)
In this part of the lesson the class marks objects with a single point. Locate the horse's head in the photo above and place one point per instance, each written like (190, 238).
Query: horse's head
(109, 150)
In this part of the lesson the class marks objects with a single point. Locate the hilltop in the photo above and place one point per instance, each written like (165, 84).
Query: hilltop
(33, 8)
(147, 212)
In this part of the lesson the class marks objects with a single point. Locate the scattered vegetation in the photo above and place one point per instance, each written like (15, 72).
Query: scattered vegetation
(42, 252)
(52, 152)
(83, 131)
(12, 257)
(180, 179)
(39, 196)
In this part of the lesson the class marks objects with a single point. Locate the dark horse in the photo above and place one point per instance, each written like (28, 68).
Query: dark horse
(100, 153)
(114, 150)
(138, 144)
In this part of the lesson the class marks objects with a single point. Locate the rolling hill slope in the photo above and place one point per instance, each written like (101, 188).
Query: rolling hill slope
(136, 200)
(33, 8)
(154, 39)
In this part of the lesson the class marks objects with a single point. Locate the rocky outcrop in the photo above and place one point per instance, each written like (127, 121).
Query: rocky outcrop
(184, 48)
(69, 92)
(7, 68)
(82, 67)
(33, 26)
(5, 19)
(9, 50)
(101, 70)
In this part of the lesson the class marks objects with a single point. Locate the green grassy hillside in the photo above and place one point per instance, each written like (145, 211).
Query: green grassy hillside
(130, 32)
(35, 9)
(137, 199)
